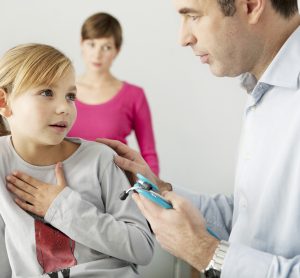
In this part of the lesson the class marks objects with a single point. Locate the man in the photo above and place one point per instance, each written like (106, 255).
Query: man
(259, 225)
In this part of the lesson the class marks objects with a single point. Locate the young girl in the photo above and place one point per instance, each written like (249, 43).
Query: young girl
(108, 107)
(85, 230)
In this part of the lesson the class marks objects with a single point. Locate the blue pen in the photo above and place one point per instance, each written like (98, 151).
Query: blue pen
(149, 190)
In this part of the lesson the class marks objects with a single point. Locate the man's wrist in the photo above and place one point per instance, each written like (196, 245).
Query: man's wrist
(214, 268)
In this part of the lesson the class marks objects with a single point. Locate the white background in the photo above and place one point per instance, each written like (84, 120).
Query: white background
(196, 116)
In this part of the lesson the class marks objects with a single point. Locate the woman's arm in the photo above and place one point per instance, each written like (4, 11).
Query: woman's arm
(142, 123)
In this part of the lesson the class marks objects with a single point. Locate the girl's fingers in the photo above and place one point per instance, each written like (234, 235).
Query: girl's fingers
(60, 175)
(21, 194)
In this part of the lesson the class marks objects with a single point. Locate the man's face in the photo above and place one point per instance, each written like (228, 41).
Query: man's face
(220, 41)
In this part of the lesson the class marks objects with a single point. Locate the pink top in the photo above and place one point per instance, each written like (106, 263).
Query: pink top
(115, 119)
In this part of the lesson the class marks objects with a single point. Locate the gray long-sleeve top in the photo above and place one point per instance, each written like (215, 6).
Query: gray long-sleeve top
(111, 236)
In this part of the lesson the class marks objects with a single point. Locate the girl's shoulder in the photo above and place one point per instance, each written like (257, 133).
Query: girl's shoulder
(92, 150)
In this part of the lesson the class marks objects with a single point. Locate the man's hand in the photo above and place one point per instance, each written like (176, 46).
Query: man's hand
(33, 195)
(132, 162)
(181, 230)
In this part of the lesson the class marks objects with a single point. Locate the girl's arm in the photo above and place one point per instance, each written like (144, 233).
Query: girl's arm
(5, 270)
(118, 229)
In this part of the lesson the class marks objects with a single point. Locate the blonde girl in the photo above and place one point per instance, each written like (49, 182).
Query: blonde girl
(51, 223)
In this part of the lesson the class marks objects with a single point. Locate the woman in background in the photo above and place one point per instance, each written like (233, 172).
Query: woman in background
(108, 107)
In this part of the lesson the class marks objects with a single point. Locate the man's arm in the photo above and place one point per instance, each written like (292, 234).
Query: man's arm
(183, 234)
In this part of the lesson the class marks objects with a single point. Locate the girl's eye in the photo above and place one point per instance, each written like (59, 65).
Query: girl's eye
(47, 93)
(71, 96)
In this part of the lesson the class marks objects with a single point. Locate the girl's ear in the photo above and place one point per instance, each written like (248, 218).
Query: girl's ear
(5, 110)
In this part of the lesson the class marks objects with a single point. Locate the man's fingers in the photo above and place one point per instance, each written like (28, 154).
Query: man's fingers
(120, 148)
(137, 198)
(116, 145)
(148, 208)
(178, 202)
(126, 164)
(60, 175)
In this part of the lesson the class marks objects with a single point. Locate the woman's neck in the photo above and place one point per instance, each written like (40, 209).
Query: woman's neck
(97, 80)
(92, 89)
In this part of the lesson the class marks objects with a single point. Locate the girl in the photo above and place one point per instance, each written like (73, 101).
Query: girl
(108, 107)
(84, 230)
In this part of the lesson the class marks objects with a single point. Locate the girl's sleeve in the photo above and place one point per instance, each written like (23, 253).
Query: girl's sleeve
(5, 270)
(142, 124)
(120, 231)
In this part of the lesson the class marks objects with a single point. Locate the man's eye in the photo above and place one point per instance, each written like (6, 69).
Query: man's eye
(47, 93)
(71, 96)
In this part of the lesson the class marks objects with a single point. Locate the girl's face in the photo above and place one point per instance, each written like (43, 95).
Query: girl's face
(44, 115)
(99, 54)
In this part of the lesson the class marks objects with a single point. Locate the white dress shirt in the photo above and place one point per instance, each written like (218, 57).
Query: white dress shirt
(262, 219)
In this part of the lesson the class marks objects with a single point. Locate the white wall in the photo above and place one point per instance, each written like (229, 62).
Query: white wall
(196, 116)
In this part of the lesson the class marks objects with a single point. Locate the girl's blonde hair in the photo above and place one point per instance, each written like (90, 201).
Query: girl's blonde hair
(30, 65)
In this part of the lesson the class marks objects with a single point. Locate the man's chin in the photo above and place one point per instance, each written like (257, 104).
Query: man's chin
(222, 72)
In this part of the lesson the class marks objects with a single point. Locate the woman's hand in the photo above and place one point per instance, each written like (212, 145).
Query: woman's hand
(33, 195)
(132, 162)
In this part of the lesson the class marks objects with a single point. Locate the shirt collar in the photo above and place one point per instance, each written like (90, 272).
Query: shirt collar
(285, 67)
(282, 72)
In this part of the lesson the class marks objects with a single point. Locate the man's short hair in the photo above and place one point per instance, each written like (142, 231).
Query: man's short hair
(286, 8)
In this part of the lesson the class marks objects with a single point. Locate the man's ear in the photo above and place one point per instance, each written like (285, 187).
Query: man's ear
(254, 9)
(5, 110)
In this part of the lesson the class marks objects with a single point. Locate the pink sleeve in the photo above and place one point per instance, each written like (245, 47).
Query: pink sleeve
(142, 125)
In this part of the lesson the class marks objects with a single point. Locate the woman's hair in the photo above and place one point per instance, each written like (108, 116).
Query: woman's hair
(30, 65)
(286, 8)
(102, 25)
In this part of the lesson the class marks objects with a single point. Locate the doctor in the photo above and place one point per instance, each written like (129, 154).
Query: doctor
(259, 223)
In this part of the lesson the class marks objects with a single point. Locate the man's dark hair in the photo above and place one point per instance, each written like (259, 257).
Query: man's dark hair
(286, 8)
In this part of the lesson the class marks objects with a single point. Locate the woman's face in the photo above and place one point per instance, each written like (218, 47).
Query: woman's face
(99, 54)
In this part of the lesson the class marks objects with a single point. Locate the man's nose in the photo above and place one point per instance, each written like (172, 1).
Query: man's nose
(186, 37)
